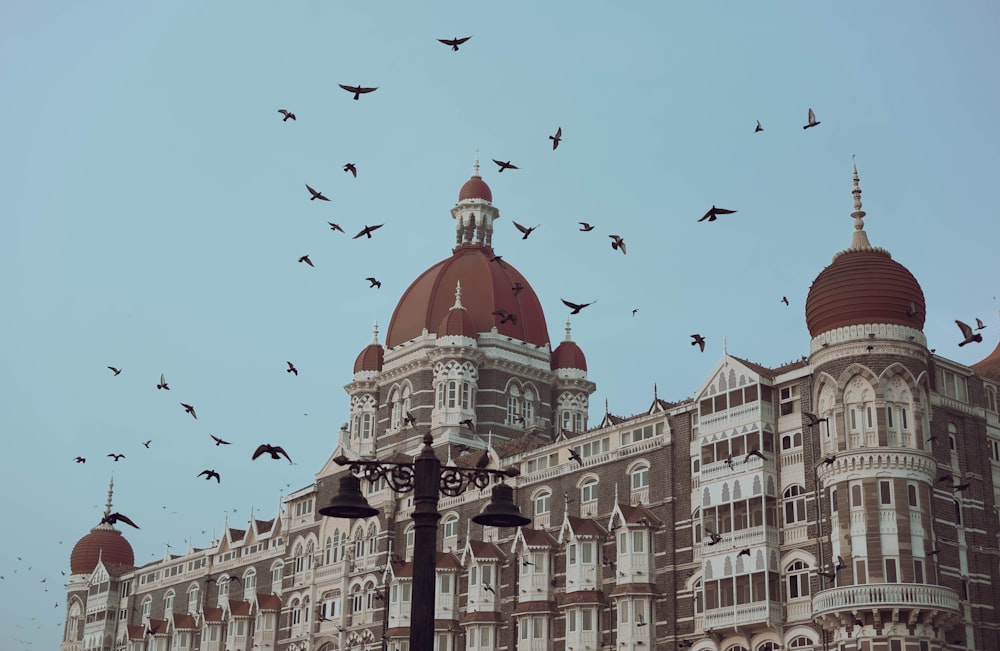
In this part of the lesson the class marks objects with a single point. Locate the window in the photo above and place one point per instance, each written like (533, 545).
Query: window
(856, 501)
(891, 575)
(640, 477)
(800, 642)
(193, 594)
(513, 405)
(790, 441)
(952, 385)
(885, 492)
(911, 495)
(528, 408)
(276, 577)
(918, 570)
(543, 503)
(410, 532)
(588, 491)
(147, 607)
(795, 505)
(789, 395)
(168, 604)
(593, 448)
(797, 576)
(450, 526)
(994, 450)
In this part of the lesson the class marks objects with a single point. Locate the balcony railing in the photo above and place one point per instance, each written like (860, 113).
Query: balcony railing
(742, 614)
(885, 595)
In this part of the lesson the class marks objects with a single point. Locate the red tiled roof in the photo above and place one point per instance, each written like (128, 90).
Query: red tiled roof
(263, 526)
(104, 543)
(537, 537)
(444, 624)
(184, 621)
(583, 597)
(535, 607)
(398, 631)
(448, 560)
(268, 601)
(239, 608)
(136, 632)
(236, 534)
(519, 445)
(212, 614)
(482, 551)
(633, 514)
(634, 588)
(481, 616)
(158, 626)
(586, 527)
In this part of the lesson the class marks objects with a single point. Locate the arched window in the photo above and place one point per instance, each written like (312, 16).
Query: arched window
(359, 543)
(328, 550)
(797, 577)
(194, 593)
(310, 555)
(542, 502)
(800, 642)
(147, 607)
(223, 584)
(372, 540)
(277, 575)
(639, 477)
(168, 604)
(395, 410)
(450, 526)
(357, 600)
(513, 404)
(795, 504)
(768, 646)
(528, 410)
(249, 584)
(588, 490)
(298, 562)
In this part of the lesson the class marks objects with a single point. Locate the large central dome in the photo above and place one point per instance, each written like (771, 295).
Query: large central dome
(487, 284)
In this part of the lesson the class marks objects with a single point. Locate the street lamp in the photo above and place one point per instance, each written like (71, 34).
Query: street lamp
(427, 479)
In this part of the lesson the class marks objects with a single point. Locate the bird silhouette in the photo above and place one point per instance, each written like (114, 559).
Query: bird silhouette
(585, 227)
(316, 194)
(484, 459)
(784, 299)
(505, 166)
(640, 620)
(967, 332)
(944, 478)
(358, 90)
(814, 419)
(80, 460)
(698, 341)
(410, 419)
(146, 443)
(575, 307)
(716, 538)
(829, 459)
(556, 138)
(488, 587)
(754, 453)
(574, 454)
(840, 564)
(506, 316)
(367, 230)
(116, 457)
(634, 311)
(517, 288)
(729, 460)
(829, 575)
(961, 487)
(525, 230)
(617, 243)
(218, 441)
(454, 42)
(743, 552)
(499, 260)
(163, 383)
(912, 311)
(118, 371)
(335, 227)
(812, 121)
(112, 518)
(306, 259)
(979, 326)
(468, 423)
(189, 409)
(291, 369)
(758, 127)
(714, 212)
(869, 348)
(288, 115)
(374, 282)
(276, 451)
(349, 167)
(209, 474)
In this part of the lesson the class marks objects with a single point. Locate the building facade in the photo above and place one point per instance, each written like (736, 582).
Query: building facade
(848, 501)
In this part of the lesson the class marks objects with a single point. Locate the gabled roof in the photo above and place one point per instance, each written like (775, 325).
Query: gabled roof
(633, 515)
(479, 550)
(268, 602)
(212, 614)
(532, 539)
(610, 420)
(235, 535)
(136, 632)
(184, 621)
(264, 526)
(240, 608)
(526, 442)
(574, 527)
(158, 626)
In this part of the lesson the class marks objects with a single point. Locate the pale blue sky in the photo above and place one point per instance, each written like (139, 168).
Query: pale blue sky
(154, 207)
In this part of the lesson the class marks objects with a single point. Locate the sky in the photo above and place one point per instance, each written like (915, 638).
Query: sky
(153, 209)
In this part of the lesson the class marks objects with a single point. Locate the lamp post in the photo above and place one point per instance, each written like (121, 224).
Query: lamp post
(428, 480)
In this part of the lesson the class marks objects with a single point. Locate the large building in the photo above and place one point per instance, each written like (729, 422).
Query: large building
(848, 501)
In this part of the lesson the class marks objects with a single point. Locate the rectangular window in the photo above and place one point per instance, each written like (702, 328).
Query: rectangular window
(869, 417)
(902, 418)
(445, 584)
(888, 416)
(911, 495)
(638, 541)
(885, 492)
(860, 572)
(854, 419)
(587, 620)
(891, 576)
(571, 621)
(586, 552)
(918, 570)
(856, 496)
(452, 394)
(571, 554)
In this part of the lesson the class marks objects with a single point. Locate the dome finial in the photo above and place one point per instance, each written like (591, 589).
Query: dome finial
(475, 165)
(111, 490)
(567, 331)
(859, 241)
(375, 334)
(458, 296)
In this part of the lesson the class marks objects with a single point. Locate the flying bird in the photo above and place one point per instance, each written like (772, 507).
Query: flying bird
(840, 564)
(146, 443)
(209, 474)
(585, 227)
(316, 194)
(163, 383)
(758, 127)
(291, 369)
(829, 575)
(367, 230)
(814, 419)
(499, 260)
(288, 115)
(484, 459)
(468, 423)
(410, 419)
(517, 288)
(358, 90)
(575, 307)
(116, 457)
(506, 316)
(698, 341)
(335, 227)
(744, 552)
(80, 460)
(117, 371)
(912, 312)
(714, 212)
(454, 42)
(944, 478)
(812, 122)
(784, 299)
(716, 538)
(617, 243)
(488, 587)
(525, 230)
(274, 450)
(189, 409)
(961, 487)
(525, 561)
(374, 282)
(505, 166)
(306, 259)
(754, 453)
(829, 459)
(112, 518)
(979, 326)
(635, 311)
(967, 332)
(575, 456)
(349, 167)
(218, 441)
(556, 138)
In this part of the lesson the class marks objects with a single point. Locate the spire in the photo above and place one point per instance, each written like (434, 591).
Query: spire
(859, 241)
(568, 338)
(111, 490)
(458, 296)
(475, 165)
(375, 334)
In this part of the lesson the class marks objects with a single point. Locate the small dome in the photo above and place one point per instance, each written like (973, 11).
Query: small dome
(863, 287)
(568, 355)
(475, 188)
(102, 543)
(370, 359)
(458, 322)
(989, 366)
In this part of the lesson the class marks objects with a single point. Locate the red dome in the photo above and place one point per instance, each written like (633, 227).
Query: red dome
(486, 288)
(457, 323)
(370, 358)
(861, 287)
(989, 366)
(568, 355)
(475, 188)
(108, 545)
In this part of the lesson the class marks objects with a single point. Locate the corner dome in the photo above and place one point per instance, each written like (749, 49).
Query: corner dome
(370, 359)
(863, 285)
(475, 188)
(103, 543)
(457, 323)
(486, 288)
(568, 355)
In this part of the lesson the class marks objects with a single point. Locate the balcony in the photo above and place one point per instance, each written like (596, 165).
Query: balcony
(758, 612)
(918, 596)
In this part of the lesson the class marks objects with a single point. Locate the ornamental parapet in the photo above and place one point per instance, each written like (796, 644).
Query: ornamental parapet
(933, 599)
(869, 461)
